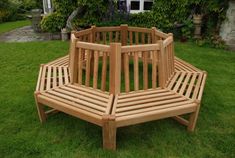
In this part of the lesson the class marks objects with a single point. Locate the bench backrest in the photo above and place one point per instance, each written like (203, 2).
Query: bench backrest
(95, 60)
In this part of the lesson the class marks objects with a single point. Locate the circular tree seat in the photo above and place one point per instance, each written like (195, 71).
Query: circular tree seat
(120, 76)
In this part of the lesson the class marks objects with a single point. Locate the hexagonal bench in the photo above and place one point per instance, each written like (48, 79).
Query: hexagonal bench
(87, 83)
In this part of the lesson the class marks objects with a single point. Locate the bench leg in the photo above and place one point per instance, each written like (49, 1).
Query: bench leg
(41, 113)
(109, 133)
(193, 119)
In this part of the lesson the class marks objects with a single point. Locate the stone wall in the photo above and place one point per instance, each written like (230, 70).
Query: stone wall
(227, 31)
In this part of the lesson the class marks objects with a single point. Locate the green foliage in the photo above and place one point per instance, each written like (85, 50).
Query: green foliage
(57, 20)
(215, 42)
(94, 11)
(25, 6)
(187, 29)
(53, 22)
(64, 7)
(8, 11)
(12, 10)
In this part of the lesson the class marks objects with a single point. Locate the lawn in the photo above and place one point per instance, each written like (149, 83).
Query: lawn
(21, 134)
(8, 26)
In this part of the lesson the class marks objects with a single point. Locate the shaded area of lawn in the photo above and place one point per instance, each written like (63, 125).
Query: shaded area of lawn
(8, 26)
(21, 134)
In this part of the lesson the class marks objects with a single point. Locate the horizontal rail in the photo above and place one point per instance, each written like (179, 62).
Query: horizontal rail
(107, 29)
(142, 47)
(83, 32)
(139, 29)
(93, 46)
(160, 34)
(167, 41)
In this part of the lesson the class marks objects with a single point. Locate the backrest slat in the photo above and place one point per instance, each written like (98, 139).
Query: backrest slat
(96, 67)
(88, 67)
(126, 72)
(154, 69)
(136, 71)
(104, 71)
(145, 70)
(80, 64)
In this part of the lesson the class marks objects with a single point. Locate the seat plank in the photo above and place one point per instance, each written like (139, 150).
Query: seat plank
(154, 115)
(71, 103)
(153, 108)
(146, 96)
(79, 101)
(141, 106)
(79, 96)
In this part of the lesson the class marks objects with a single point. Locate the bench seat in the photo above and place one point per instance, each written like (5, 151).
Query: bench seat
(150, 105)
(86, 103)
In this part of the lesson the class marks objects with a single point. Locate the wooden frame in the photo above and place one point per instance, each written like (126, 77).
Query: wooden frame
(71, 84)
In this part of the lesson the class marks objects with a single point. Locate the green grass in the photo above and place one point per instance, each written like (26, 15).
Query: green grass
(8, 26)
(21, 134)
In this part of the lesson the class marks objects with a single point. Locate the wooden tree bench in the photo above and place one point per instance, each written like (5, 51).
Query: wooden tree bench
(87, 82)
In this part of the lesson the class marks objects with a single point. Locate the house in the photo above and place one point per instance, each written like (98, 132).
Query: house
(47, 6)
(133, 6)
(137, 6)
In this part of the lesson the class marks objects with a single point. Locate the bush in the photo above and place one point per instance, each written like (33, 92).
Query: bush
(53, 22)
(8, 11)
(57, 20)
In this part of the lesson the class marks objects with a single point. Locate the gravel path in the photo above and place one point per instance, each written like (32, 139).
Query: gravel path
(23, 34)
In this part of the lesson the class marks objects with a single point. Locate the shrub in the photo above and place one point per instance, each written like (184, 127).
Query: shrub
(53, 22)
(8, 11)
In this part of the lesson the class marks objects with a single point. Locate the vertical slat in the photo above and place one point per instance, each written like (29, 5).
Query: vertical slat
(104, 72)
(117, 36)
(66, 77)
(136, 37)
(110, 37)
(154, 69)
(136, 71)
(80, 66)
(126, 72)
(88, 67)
(48, 86)
(161, 66)
(96, 66)
(169, 59)
(145, 69)
(149, 39)
(131, 37)
(60, 76)
(97, 37)
(54, 77)
(166, 63)
(143, 38)
(115, 68)
(104, 37)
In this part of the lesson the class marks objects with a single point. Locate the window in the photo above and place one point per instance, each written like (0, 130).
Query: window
(135, 5)
(148, 5)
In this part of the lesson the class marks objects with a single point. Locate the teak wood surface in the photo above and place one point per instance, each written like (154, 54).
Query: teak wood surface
(87, 83)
